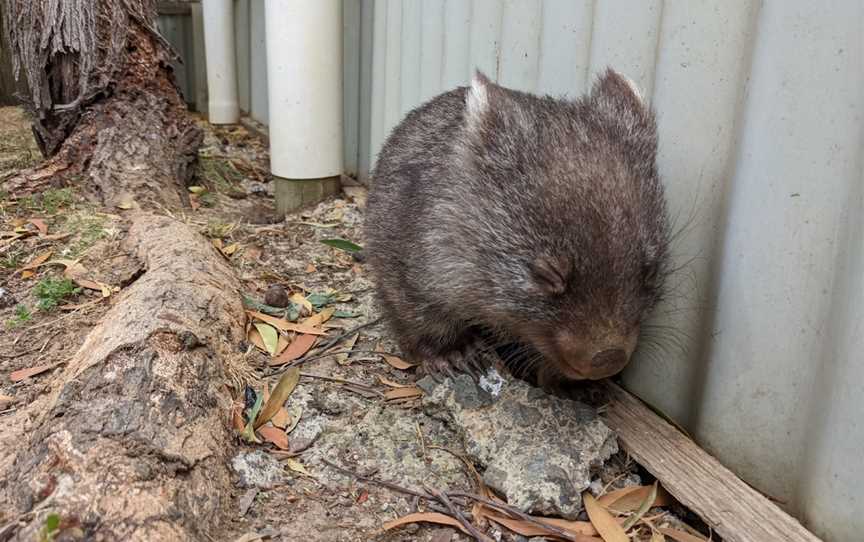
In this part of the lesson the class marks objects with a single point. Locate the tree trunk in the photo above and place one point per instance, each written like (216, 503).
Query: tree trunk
(134, 444)
(105, 109)
(134, 441)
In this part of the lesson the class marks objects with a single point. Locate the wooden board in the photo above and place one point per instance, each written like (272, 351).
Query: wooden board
(732, 508)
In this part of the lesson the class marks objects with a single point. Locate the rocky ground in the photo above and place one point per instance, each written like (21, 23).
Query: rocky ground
(361, 430)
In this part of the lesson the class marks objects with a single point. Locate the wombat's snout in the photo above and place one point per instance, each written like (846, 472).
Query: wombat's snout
(608, 362)
(581, 359)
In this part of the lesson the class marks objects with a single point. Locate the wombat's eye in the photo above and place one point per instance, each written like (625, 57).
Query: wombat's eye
(551, 274)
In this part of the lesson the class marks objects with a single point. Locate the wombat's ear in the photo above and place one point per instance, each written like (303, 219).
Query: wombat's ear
(477, 99)
(614, 89)
(551, 274)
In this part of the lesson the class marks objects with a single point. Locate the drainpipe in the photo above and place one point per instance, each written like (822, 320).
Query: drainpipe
(304, 84)
(223, 106)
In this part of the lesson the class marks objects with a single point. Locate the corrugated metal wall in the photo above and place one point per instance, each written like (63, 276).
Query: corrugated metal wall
(760, 116)
(759, 109)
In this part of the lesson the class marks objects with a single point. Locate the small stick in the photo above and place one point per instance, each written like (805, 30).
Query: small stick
(337, 379)
(339, 338)
(478, 481)
(389, 485)
(515, 512)
(458, 515)
(422, 442)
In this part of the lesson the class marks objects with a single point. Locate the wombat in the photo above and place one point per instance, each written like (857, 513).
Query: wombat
(532, 220)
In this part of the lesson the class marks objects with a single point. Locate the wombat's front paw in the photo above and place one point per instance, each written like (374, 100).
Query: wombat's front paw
(473, 360)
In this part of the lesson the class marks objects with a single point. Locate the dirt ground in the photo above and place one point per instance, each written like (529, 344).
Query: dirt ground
(348, 413)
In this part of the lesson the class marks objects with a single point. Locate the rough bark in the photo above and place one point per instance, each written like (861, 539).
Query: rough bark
(135, 441)
(104, 104)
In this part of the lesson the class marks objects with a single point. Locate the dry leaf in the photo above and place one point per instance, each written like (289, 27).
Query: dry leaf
(526, 528)
(403, 393)
(363, 497)
(643, 508)
(101, 287)
(216, 243)
(347, 344)
(311, 268)
(245, 502)
(295, 412)
(281, 419)
(584, 528)
(280, 394)
(657, 537)
(282, 344)
(230, 249)
(396, 362)
(392, 384)
(317, 320)
(296, 466)
(681, 536)
(299, 346)
(428, 517)
(6, 400)
(237, 418)
(40, 225)
(603, 521)
(630, 498)
(285, 325)
(275, 436)
(251, 536)
(269, 336)
(23, 374)
(254, 337)
(299, 299)
(37, 261)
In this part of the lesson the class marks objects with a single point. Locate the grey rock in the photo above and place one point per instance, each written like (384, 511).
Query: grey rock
(7, 299)
(538, 450)
(258, 469)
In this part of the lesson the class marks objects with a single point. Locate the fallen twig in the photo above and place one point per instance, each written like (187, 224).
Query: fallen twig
(389, 485)
(501, 507)
(341, 337)
(458, 515)
(507, 509)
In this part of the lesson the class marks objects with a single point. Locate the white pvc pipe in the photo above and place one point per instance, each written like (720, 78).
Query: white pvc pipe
(221, 68)
(304, 83)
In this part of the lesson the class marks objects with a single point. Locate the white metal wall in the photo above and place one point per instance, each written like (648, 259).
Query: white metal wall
(760, 115)
(759, 109)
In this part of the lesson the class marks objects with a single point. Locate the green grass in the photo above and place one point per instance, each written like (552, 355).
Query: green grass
(48, 202)
(219, 230)
(88, 228)
(12, 260)
(220, 173)
(51, 291)
(22, 316)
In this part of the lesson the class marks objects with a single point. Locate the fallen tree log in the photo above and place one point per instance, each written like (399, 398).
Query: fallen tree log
(134, 442)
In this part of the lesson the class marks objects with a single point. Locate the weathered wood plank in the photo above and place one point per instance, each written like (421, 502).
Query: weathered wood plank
(732, 508)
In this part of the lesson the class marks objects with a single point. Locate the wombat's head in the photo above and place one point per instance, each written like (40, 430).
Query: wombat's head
(581, 252)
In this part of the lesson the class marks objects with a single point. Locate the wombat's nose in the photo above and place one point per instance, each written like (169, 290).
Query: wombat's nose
(609, 362)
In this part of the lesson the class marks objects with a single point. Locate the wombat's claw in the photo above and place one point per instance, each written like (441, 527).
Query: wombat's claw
(438, 368)
(470, 362)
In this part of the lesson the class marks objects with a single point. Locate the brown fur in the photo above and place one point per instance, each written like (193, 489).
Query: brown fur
(540, 219)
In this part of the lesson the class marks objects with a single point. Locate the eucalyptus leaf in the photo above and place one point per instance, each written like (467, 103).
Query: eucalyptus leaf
(248, 433)
(280, 394)
(319, 300)
(269, 335)
(342, 244)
